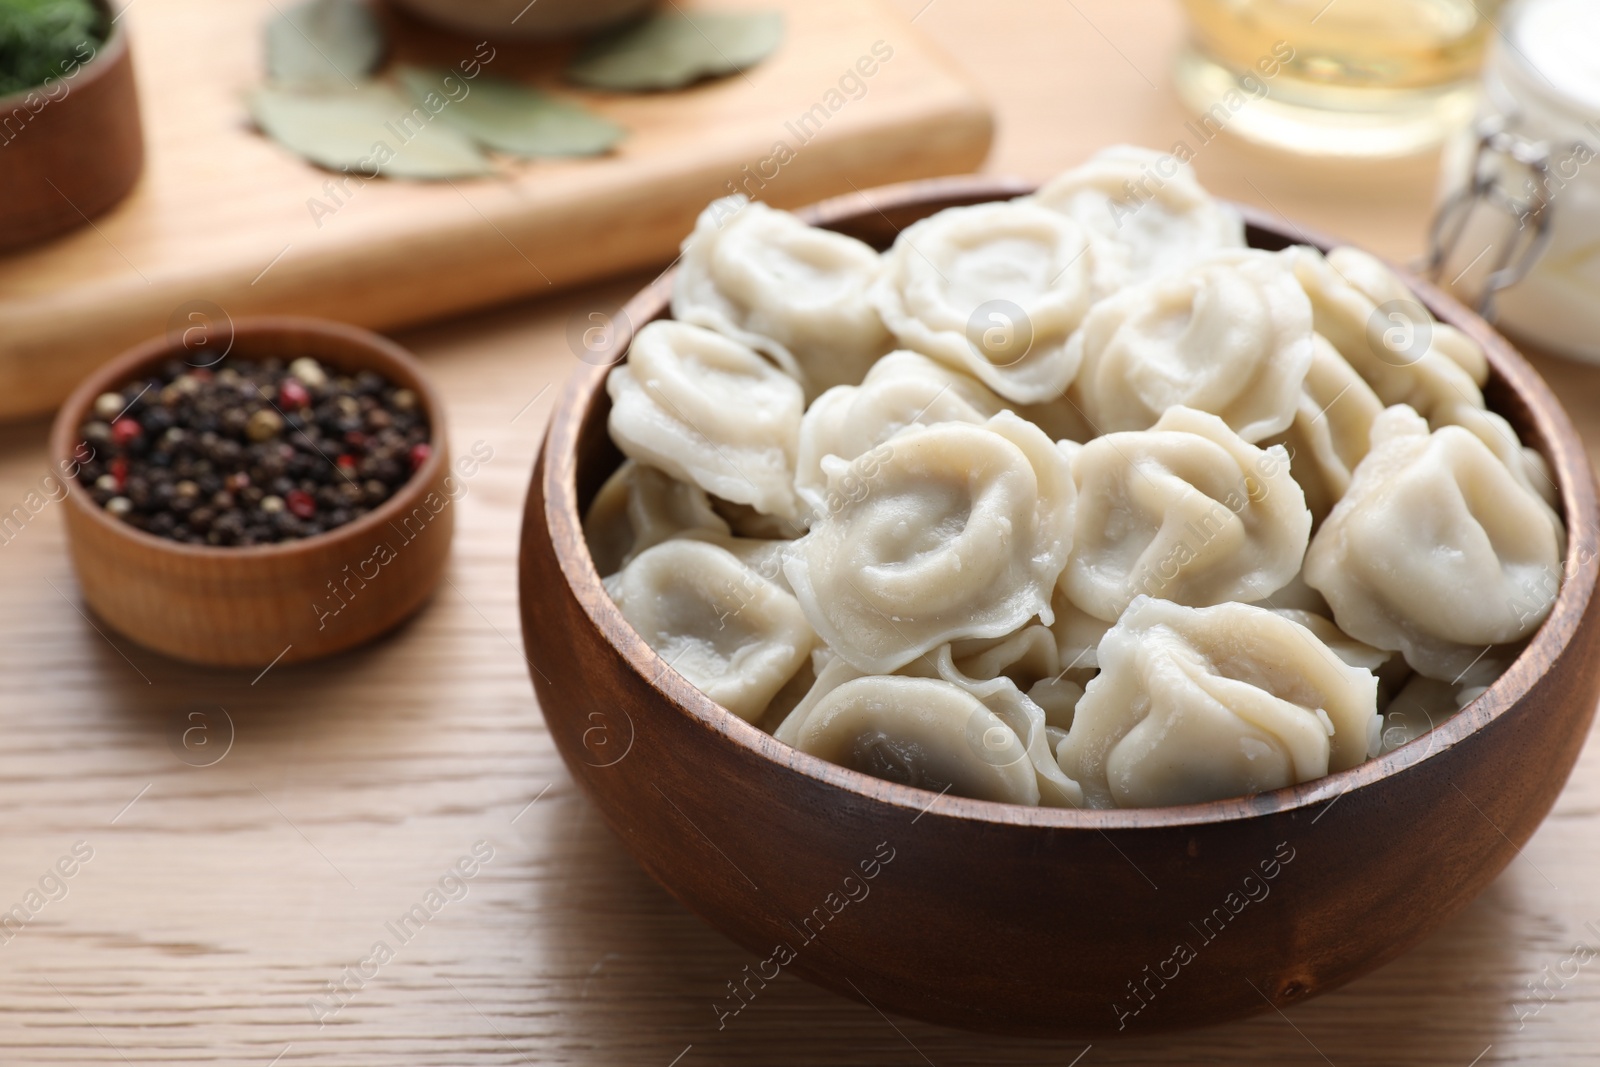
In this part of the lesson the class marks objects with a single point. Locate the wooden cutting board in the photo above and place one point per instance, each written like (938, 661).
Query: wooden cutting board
(225, 223)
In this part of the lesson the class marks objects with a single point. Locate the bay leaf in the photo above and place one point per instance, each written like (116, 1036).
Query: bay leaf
(373, 128)
(323, 43)
(512, 118)
(673, 49)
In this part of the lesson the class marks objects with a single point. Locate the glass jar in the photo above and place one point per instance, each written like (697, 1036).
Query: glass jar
(1347, 78)
(1518, 228)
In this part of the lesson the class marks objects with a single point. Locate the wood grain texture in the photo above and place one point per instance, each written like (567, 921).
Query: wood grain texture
(205, 920)
(227, 216)
(71, 149)
(1044, 921)
(281, 603)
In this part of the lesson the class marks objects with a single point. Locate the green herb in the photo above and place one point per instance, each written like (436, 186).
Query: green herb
(40, 39)
(512, 118)
(674, 49)
(323, 44)
(370, 130)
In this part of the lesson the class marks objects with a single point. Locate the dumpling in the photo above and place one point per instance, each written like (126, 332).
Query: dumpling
(1025, 740)
(1230, 335)
(761, 555)
(736, 636)
(1296, 595)
(1332, 428)
(920, 732)
(1381, 285)
(709, 411)
(1077, 633)
(1436, 550)
(1199, 704)
(746, 521)
(794, 292)
(1148, 205)
(1525, 464)
(1422, 704)
(1187, 511)
(1341, 644)
(639, 507)
(902, 388)
(1030, 659)
(1025, 656)
(993, 290)
(959, 531)
(1026, 718)
(1383, 343)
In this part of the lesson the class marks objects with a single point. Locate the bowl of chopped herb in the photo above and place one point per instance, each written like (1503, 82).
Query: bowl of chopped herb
(70, 141)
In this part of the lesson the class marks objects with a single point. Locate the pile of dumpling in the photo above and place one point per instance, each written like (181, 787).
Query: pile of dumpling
(1069, 500)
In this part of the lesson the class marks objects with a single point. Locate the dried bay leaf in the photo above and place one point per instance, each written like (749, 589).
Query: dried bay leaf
(323, 44)
(371, 129)
(673, 49)
(513, 118)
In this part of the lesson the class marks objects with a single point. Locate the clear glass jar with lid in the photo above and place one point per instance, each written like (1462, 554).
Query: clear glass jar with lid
(1518, 226)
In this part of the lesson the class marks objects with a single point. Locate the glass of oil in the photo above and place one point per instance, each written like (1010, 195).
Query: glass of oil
(1351, 78)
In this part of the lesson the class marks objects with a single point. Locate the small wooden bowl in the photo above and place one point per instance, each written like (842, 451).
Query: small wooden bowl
(247, 607)
(1042, 921)
(70, 150)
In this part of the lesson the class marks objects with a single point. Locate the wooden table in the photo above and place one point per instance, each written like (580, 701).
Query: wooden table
(220, 900)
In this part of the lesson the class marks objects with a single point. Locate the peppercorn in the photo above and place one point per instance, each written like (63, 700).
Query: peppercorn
(249, 453)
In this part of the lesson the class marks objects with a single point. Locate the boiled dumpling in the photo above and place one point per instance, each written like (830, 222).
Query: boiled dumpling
(1187, 511)
(1383, 342)
(763, 556)
(1146, 204)
(1200, 704)
(1348, 649)
(1230, 335)
(1031, 660)
(1381, 285)
(994, 290)
(1422, 704)
(920, 732)
(1332, 428)
(1026, 738)
(1436, 550)
(1525, 464)
(902, 387)
(1025, 656)
(794, 292)
(736, 636)
(639, 507)
(709, 411)
(1077, 634)
(959, 531)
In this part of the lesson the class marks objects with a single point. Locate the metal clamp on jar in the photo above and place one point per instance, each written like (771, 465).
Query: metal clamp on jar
(1517, 229)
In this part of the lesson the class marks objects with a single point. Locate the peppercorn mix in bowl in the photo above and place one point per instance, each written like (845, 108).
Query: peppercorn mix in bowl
(280, 498)
(250, 452)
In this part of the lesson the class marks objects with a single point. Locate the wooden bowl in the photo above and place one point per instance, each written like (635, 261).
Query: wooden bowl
(72, 149)
(1035, 920)
(249, 606)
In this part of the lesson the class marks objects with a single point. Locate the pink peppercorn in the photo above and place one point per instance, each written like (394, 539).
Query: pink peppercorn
(300, 502)
(125, 431)
(419, 454)
(293, 396)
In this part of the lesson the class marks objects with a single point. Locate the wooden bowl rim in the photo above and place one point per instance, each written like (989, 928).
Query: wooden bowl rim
(111, 50)
(64, 436)
(1568, 462)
